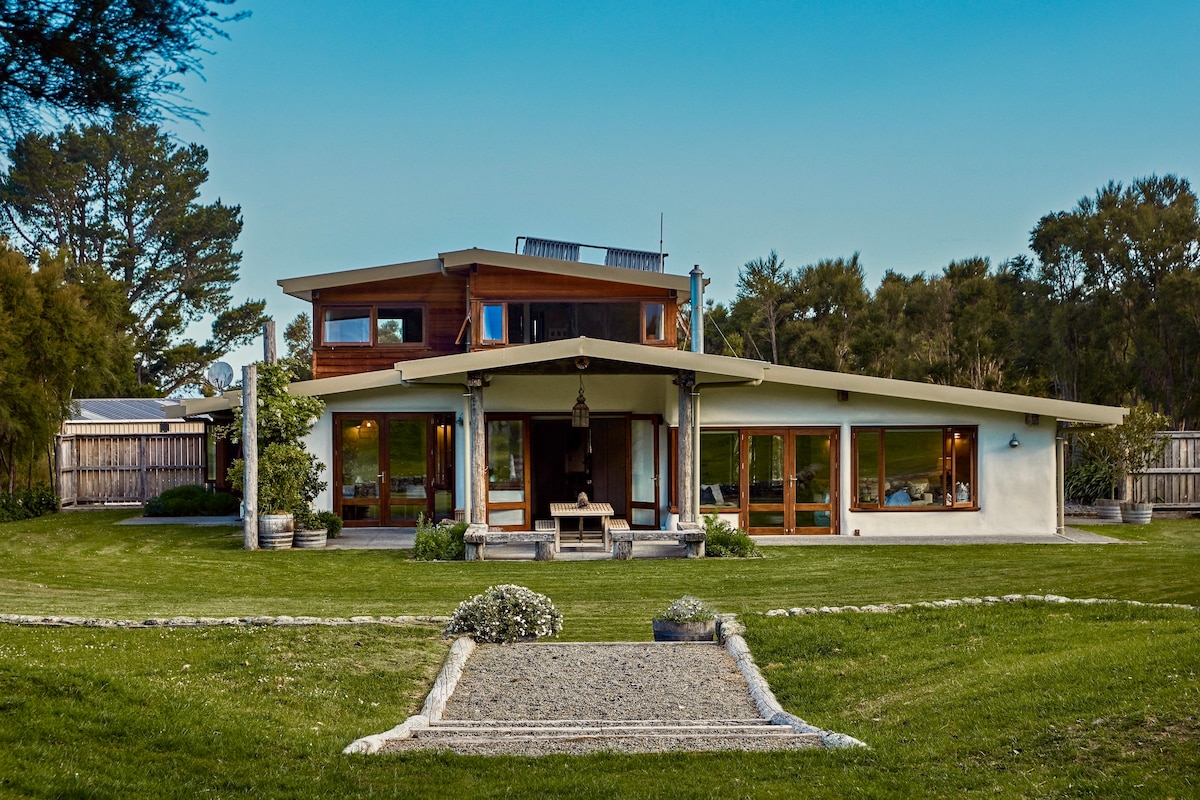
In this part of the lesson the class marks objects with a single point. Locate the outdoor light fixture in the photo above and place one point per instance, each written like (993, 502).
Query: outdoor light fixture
(1014, 441)
(580, 413)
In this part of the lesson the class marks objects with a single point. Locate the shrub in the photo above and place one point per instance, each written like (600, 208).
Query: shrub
(1087, 482)
(505, 614)
(331, 522)
(192, 501)
(688, 609)
(28, 504)
(441, 542)
(722, 540)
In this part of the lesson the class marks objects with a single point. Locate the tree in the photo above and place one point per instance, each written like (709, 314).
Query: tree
(764, 290)
(54, 347)
(830, 299)
(96, 58)
(298, 338)
(125, 199)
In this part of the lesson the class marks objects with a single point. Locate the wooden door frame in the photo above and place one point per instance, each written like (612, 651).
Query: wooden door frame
(656, 422)
(789, 506)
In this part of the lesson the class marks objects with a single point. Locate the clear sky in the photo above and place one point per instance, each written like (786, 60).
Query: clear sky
(915, 133)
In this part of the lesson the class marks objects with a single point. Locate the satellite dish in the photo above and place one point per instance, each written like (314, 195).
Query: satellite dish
(220, 375)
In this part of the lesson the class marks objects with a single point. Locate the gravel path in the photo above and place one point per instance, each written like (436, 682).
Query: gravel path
(546, 681)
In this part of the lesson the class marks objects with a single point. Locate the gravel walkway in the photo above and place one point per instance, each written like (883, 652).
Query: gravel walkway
(536, 699)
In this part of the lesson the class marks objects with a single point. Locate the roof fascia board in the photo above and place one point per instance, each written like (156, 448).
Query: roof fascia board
(952, 395)
(681, 284)
(303, 287)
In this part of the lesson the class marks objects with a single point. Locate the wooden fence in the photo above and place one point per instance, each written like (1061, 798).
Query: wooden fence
(127, 468)
(1175, 481)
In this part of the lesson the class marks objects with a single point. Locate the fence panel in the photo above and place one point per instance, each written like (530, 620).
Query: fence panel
(1175, 481)
(128, 468)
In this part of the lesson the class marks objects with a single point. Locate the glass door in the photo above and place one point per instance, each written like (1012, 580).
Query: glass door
(791, 481)
(392, 468)
(643, 472)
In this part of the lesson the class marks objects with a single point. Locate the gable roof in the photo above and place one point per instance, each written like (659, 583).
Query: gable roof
(622, 358)
(303, 287)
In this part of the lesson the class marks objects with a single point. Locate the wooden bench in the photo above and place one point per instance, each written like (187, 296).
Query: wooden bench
(690, 537)
(478, 537)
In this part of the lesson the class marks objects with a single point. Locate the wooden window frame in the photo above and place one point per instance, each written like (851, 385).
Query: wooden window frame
(373, 325)
(503, 340)
(947, 432)
(740, 432)
(645, 338)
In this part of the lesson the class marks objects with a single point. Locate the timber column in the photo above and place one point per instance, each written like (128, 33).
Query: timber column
(685, 490)
(477, 458)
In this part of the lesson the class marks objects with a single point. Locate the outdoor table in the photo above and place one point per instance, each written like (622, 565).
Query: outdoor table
(602, 511)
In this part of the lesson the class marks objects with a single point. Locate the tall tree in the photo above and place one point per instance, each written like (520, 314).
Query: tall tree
(830, 298)
(54, 347)
(764, 292)
(125, 199)
(299, 340)
(95, 58)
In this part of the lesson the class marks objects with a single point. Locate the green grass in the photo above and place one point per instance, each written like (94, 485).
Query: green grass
(1023, 700)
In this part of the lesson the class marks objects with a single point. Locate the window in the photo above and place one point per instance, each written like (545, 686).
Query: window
(930, 469)
(720, 456)
(399, 326)
(492, 323)
(373, 325)
(654, 328)
(348, 325)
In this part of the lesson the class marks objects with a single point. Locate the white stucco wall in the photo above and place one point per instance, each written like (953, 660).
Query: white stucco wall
(1017, 491)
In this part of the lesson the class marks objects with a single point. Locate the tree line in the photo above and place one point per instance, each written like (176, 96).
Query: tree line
(1106, 311)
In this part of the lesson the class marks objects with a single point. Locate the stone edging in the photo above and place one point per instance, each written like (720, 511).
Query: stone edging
(38, 620)
(887, 608)
(764, 698)
(435, 701)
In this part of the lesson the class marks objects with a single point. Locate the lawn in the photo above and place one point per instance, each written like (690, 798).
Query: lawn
(1021, 700)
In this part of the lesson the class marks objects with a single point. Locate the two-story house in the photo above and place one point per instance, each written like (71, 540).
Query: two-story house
(498, 383)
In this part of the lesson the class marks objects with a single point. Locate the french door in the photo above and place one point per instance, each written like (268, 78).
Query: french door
(391, 468)
(791, 480)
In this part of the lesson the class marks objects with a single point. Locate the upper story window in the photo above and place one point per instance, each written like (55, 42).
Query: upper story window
(385, 325)
(527, 323)
(928, 469)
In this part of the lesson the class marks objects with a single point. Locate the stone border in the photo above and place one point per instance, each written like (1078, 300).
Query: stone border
(435, 702)
(887, 608)
(730, 633)
(212, 622)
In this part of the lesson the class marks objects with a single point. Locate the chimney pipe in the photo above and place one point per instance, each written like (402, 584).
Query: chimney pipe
(697, 309)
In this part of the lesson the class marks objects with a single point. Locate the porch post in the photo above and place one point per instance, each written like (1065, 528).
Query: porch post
(685, 491)
(477, 457)
(250, 457)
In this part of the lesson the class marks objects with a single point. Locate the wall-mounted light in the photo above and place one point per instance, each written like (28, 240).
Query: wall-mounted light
(1014, 441)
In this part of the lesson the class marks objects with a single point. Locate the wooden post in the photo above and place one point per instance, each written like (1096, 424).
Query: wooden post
(685, 491)
(477, 459)
(143, 471)
(269, 341)
(250, 456)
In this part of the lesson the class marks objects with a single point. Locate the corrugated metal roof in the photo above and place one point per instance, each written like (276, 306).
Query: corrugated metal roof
(120, 409)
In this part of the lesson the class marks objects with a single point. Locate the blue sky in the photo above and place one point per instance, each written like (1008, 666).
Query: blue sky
(912, 133)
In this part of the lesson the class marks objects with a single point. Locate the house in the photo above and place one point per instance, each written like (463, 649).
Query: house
(499, 383)
(127, 450)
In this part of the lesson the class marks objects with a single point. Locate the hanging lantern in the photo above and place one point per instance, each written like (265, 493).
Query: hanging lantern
(580, 413)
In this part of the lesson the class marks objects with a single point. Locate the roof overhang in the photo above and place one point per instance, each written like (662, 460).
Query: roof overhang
(304, 287)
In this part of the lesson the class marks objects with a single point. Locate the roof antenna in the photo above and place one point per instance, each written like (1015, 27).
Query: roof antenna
(661, 266)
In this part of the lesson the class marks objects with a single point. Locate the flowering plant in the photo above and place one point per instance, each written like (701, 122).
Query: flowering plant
(687, 609)
(505, 614)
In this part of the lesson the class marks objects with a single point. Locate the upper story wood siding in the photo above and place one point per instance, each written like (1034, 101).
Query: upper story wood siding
(442, 299)
(443, 303)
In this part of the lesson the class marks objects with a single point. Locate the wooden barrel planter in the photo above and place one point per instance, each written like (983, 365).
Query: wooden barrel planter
(1108, 510)
(275, 531)
(310, 540)
(668, 631)
(1137, 513)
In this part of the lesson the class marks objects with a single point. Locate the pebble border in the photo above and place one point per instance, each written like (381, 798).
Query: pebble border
(214, 622)
(887, 608)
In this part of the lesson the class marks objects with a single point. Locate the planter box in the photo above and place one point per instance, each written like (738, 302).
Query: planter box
(667, 631)
(310, 540)
(275, 531)
(1108, 510)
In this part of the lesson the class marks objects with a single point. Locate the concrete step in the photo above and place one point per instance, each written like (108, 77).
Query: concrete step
(598, 723)
(443, 730)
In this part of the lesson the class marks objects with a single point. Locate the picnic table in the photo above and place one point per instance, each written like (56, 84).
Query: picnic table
(602, 511)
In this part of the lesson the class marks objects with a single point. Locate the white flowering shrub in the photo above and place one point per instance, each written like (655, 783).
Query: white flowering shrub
(688, 609)
(504, 614)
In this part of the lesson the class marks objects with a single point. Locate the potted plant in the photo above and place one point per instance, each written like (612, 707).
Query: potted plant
(688, 619)
(313, 529)
(1140, 447)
